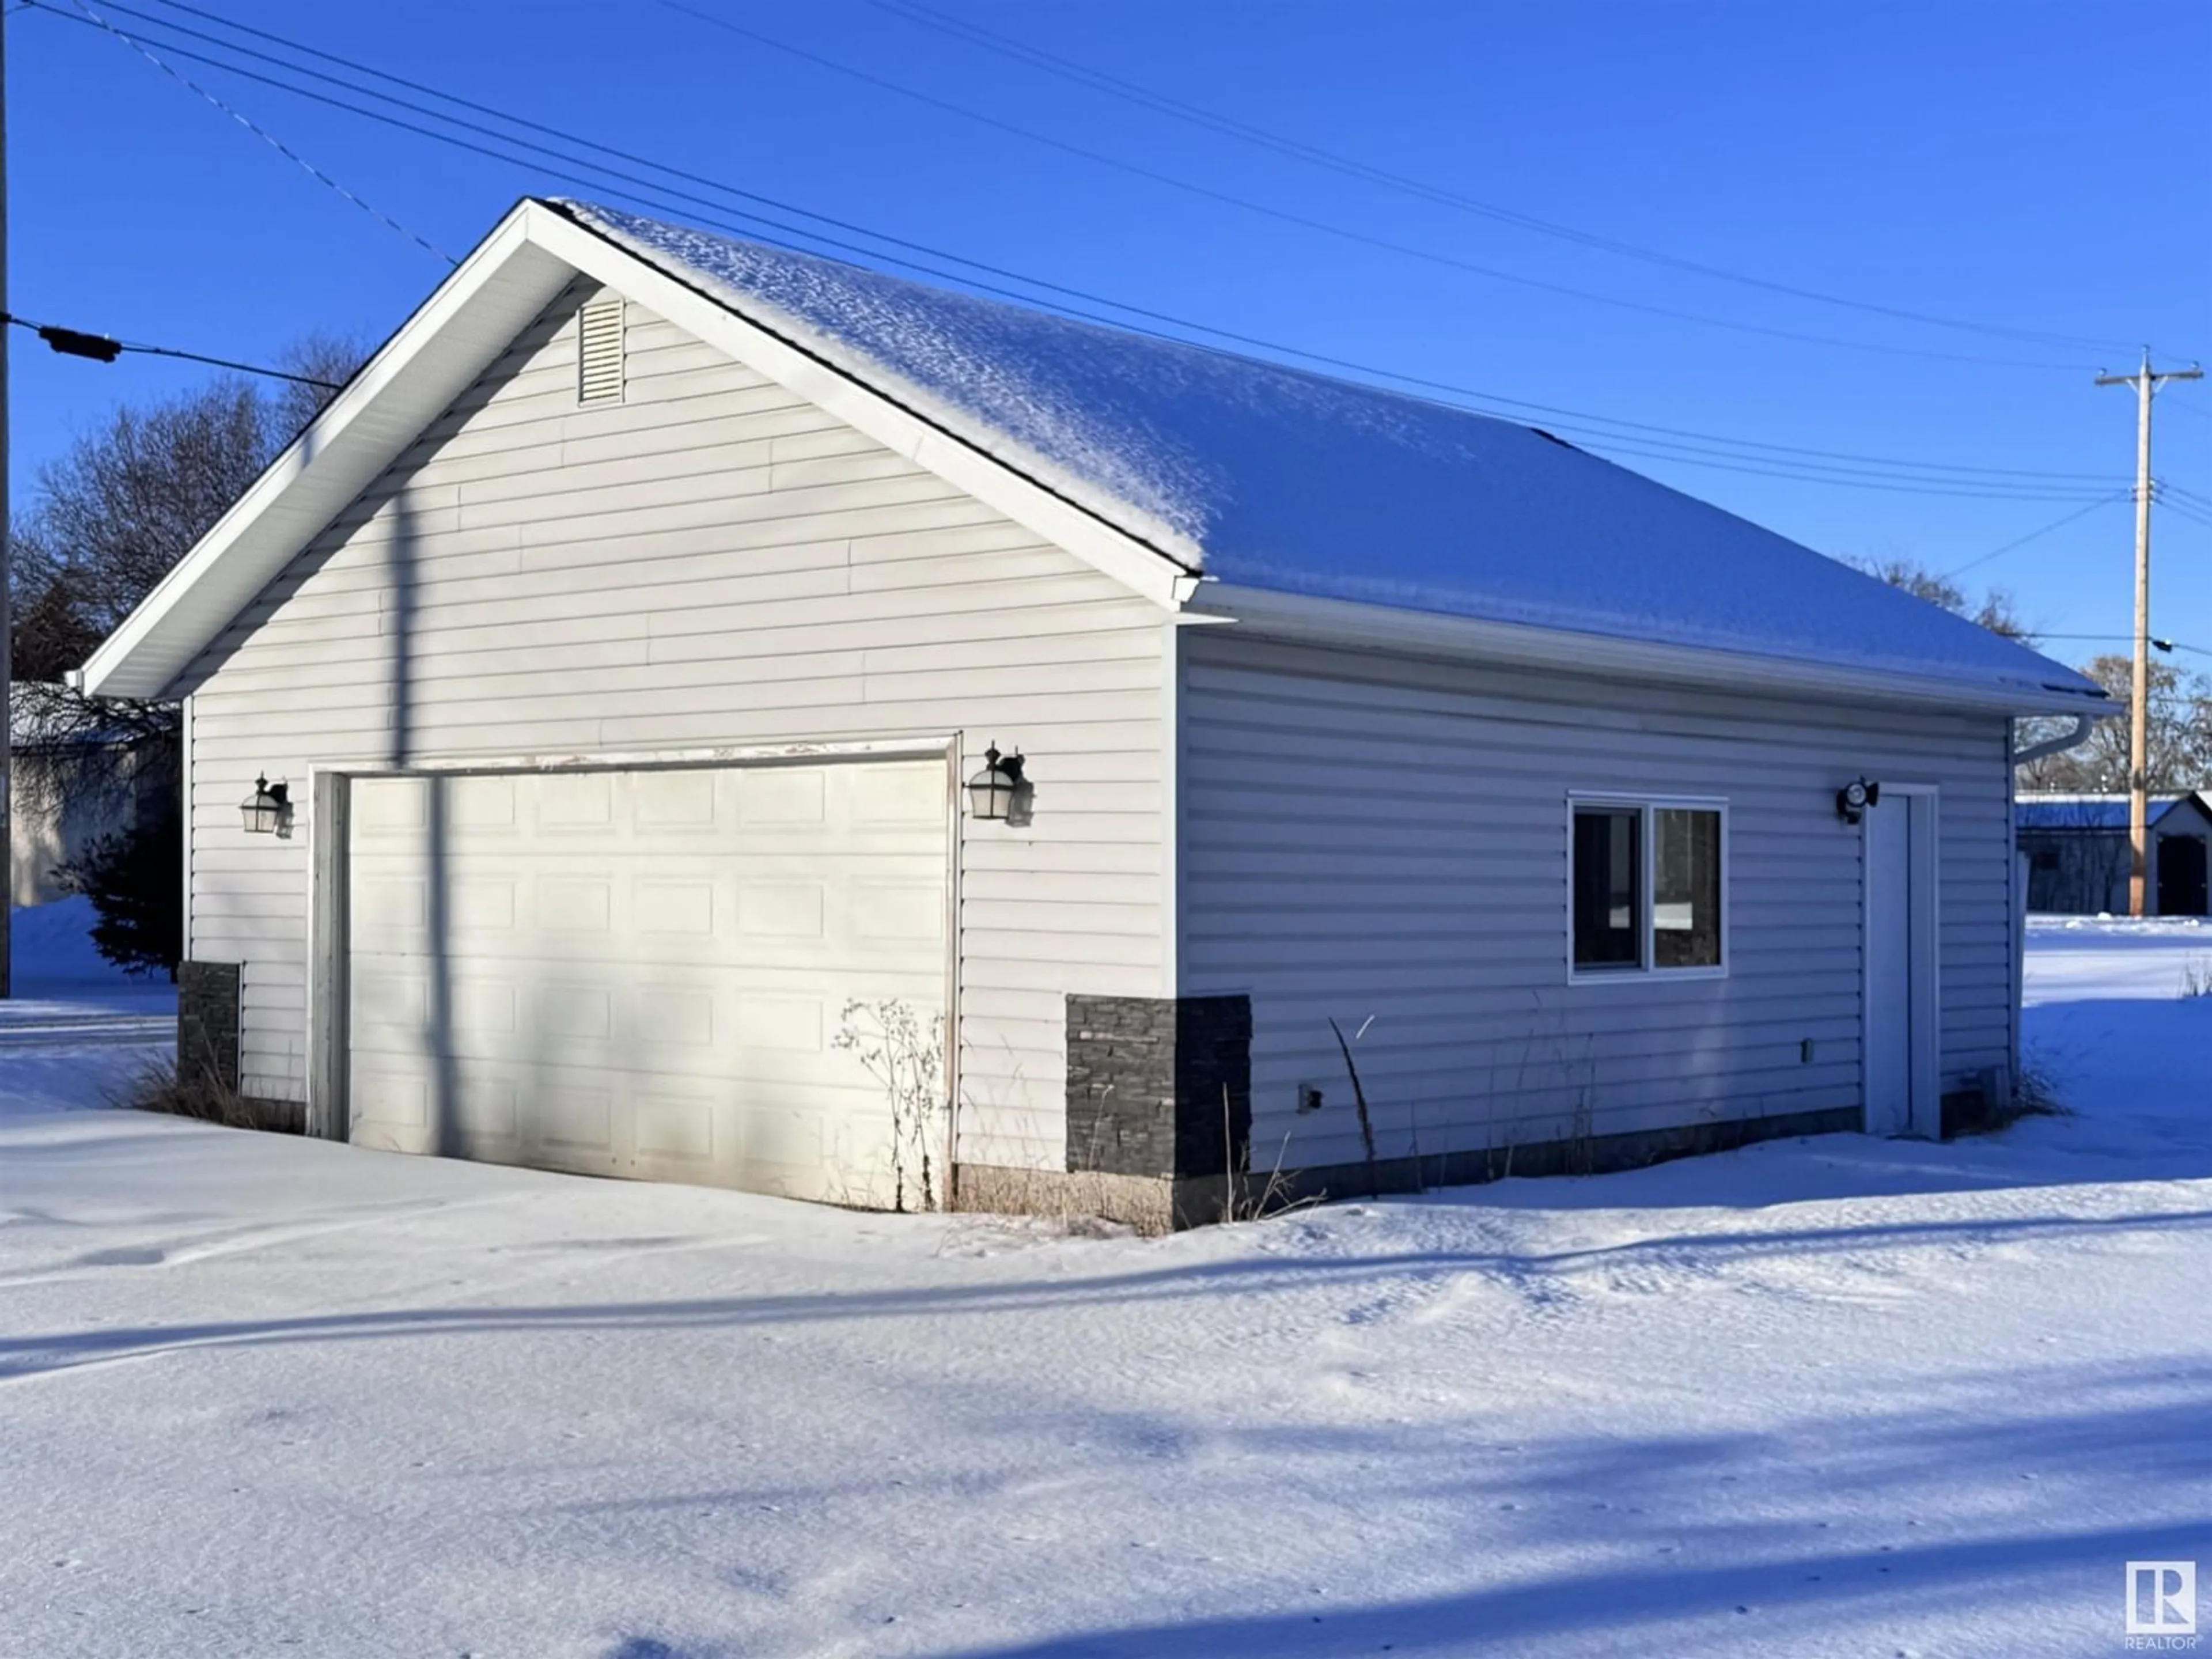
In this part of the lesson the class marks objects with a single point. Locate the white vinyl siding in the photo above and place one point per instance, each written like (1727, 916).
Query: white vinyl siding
(711, 563)
(1366, 838)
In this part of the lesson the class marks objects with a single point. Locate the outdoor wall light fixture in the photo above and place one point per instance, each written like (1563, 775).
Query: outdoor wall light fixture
(267, 808)
(991, 792)
(1854, 797)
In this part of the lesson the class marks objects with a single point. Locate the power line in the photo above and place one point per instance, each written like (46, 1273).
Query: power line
(1604, 444)
(1286, 217)
(258, 131)
(1911, 477)
(1771, 460)
(2163, 644)
(102, 349)
(975, 35)
(2022, 541)
(2180, 510)
(1910, 468)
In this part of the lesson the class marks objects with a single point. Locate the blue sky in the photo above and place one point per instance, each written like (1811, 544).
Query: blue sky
(2033, 167)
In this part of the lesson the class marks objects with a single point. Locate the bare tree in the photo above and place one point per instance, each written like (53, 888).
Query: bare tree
(330, 359)
(111, 516)
(2181, 735)
(2180, 704)
(51, 633)
(124, 503)
(116, 512)
(1993, 610)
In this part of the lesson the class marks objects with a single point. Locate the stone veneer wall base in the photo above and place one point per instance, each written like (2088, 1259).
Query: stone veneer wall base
(207, 1021)
(1159, 1204)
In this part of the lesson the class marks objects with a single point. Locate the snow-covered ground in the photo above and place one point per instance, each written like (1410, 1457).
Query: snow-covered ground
(1828, 1397)
(61, 979)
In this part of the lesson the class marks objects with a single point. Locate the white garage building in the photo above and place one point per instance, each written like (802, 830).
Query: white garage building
(621, 641)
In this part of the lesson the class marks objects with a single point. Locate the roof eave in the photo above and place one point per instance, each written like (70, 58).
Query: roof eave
(450, 340)
(472, 317)
(1374, 627)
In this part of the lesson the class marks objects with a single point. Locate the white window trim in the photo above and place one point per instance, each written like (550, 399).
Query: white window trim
(1644, 972)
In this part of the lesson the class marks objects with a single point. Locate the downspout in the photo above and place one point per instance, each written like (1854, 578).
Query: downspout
(2064, 740)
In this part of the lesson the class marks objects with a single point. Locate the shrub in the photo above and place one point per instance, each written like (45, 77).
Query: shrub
(135, 879)
(195, 1092)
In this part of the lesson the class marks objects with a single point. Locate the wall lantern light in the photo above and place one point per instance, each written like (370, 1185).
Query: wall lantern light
(991, 792)
(267, 808)
(1854, 797)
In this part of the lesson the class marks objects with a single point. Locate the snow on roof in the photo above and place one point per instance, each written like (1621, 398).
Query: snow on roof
(2071, 812)
(1276, 478)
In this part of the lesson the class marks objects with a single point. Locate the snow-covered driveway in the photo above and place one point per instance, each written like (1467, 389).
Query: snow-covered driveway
(262, 1395)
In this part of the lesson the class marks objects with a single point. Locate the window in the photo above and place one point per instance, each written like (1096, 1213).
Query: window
(1646, 883)
(1609, 870)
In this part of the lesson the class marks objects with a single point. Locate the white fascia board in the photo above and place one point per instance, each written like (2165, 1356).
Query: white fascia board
(998, 483)
(458, 331)
(1382, 628)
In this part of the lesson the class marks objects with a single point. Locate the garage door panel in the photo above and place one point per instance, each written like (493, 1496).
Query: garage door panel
(488, 1116)
(569, 1119)
(674, 907)
(768, 1025)
(779, 910)
(389, 807)
(678, 1016)
(393, 1104)
(571, 804)
(398, 1010)
(482, 806)
(643, 972)
(898, 911)
(886, 797)
(676, 1135)
(777, 798)
(677, 801)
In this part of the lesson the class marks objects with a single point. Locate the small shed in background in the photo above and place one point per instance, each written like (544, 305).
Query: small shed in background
(67, 786)
(2076, 846)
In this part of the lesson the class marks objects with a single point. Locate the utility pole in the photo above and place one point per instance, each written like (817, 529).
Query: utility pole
(2146, 384)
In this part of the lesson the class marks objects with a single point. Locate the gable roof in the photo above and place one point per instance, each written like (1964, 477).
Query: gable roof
(1159, 461)
(2098, 813)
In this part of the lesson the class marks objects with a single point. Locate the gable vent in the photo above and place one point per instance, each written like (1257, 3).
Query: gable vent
(599, 352)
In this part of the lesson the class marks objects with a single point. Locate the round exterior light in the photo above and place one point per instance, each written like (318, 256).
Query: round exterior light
(991, 792)
(264, 809)
(1854, 797)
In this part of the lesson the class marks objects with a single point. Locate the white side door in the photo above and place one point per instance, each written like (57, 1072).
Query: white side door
(1900, 1044)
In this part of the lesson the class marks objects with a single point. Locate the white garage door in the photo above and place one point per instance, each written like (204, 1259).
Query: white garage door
(647, 972)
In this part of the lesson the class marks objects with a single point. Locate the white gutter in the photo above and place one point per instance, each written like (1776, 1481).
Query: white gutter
(1375, 627)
